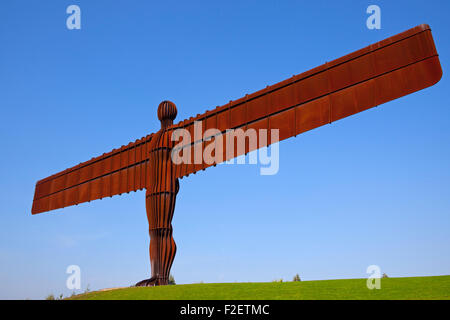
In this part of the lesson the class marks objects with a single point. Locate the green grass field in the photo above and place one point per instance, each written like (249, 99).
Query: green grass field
(351, 289)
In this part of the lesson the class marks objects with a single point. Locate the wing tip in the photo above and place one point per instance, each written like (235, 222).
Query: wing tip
(424, 26)
(438, 74)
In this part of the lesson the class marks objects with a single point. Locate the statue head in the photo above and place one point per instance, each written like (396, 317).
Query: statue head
(167, 112)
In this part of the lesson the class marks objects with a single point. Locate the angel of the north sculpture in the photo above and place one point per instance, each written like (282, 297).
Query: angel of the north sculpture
(384, 71)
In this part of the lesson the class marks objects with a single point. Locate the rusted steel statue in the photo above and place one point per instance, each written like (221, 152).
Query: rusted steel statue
(387, 70)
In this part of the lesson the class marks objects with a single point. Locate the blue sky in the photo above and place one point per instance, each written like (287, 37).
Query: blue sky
(369, 189)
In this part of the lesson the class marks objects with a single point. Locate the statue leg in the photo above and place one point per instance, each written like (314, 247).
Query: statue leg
(160, 207)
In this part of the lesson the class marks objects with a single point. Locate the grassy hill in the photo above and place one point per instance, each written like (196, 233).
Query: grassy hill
(391, 289)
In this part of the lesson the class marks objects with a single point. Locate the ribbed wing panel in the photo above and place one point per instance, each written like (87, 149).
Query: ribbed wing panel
(379, 73)
(119, 171)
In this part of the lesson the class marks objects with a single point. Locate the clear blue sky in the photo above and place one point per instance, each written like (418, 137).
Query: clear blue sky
(370, 189)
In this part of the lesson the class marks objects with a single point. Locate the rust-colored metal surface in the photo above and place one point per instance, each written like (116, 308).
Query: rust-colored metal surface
(392, 68)
(116, 172)
(379, 73)
(161, 191)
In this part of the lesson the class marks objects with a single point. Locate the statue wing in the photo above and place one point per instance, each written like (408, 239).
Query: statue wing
(387, 70)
